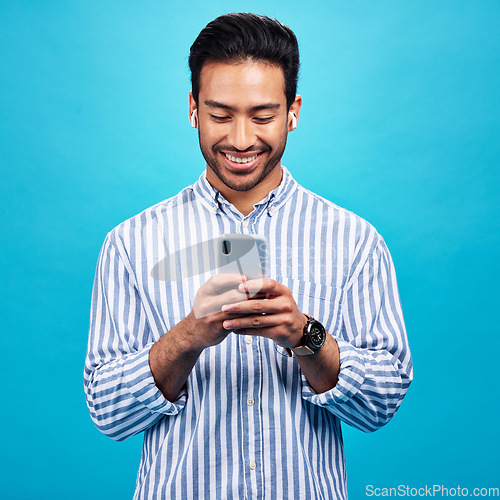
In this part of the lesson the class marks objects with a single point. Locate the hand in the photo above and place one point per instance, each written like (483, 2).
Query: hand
(276, 317)
(173, 356)
(203, 325)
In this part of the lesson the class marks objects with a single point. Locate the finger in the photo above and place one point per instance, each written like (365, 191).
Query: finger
(230, 297)
(275, 333)
(262, 285)
(252, 321)
(264, 306)
(206, 305)
(221, 282)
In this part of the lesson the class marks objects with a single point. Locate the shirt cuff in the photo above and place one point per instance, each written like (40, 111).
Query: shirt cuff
(139, 381)
(351, 377)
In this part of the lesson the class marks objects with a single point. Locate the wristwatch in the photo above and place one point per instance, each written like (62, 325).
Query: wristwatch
(313, 340)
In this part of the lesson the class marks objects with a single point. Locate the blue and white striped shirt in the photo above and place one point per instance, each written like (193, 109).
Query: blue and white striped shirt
(247, 424)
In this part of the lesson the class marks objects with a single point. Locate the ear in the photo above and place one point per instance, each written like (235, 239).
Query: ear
(193, 117)
(295, 109)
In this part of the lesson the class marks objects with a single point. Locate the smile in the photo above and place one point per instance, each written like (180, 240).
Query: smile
(237, 159)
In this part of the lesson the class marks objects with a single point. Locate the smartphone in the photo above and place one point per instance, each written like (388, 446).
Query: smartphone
(242, 253)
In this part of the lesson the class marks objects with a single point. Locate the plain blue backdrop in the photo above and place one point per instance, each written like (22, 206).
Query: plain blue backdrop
(400, 124)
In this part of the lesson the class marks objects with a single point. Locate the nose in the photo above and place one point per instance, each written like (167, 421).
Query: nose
(242, 135)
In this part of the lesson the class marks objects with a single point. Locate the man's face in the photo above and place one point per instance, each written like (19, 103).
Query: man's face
(242, 120)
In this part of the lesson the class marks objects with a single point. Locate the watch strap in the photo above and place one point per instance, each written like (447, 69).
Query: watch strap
(299, 351)
(302, 350)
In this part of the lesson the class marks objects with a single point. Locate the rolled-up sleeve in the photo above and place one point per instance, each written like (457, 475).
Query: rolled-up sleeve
(375, 361)
(122, 396)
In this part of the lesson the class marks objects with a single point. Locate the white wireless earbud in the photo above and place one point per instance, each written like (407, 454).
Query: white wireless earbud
(192, 119)
(294, 121)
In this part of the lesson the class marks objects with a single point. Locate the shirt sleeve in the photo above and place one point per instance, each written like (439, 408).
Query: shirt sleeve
(375, 361)
(122, 397)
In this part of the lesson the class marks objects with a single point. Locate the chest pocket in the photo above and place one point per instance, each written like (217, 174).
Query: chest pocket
(323, 302)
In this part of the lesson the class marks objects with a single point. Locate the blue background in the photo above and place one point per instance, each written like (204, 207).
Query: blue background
(400, 124)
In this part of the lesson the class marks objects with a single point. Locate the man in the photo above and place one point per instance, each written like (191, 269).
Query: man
(205, 372)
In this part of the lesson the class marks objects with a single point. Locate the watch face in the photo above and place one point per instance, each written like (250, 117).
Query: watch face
(317, 334)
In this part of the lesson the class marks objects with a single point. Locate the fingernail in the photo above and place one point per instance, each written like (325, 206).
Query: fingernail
(227, 325)
(225, 307)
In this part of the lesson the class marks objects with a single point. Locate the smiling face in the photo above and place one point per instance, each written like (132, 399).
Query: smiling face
(243, 124)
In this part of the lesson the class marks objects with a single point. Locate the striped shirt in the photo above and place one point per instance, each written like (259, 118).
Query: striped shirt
(246, 424)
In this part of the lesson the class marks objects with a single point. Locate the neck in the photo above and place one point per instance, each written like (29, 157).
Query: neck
(244, 201)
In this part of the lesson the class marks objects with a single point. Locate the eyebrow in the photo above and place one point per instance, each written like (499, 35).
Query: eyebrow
(260, 107)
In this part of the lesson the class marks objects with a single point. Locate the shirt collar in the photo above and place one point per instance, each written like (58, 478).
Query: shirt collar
(213, 199)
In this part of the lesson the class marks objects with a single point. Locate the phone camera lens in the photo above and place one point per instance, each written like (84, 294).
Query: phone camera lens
(226, 247)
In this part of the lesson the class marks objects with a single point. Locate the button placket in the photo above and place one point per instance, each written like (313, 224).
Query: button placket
(252, 417)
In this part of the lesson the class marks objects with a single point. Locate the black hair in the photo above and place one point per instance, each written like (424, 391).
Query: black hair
(241, 36)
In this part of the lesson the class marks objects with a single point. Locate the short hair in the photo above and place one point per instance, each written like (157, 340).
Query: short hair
(242, 36)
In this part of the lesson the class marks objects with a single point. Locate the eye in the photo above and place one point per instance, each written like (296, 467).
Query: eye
(219, 118)
(266, 119)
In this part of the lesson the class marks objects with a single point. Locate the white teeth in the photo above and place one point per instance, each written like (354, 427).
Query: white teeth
(240, 160)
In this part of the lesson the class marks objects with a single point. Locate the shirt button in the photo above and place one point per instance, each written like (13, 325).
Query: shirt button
(248, 339)
(272, 209)
(245, 223)
(250, 401)
(253, 465)
(214, 209)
